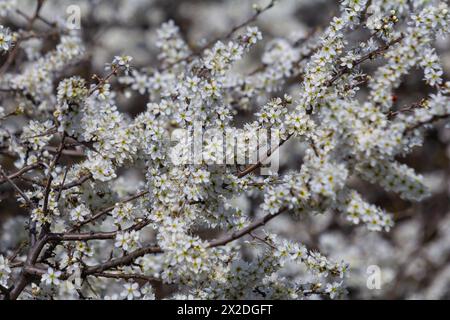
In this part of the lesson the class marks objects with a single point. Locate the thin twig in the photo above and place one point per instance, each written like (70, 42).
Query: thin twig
(108, 209)
(22, 194)
(21, 171)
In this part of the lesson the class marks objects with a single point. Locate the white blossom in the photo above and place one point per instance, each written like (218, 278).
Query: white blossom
(51, 277)
(131, 291)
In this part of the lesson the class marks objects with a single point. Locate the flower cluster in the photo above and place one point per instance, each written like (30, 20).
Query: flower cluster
(5, 271)
(6, 39)
(127, 240)
(172, 46)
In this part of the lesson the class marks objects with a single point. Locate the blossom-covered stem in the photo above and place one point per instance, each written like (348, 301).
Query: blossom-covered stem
(63, 187)
(104, 80)
(227, 36)
(10, 114)
(60, 190)
(51, 131)
(215, 243)
(76, 183)
(366, 57)
(49, 177)
(24, 278)
(297, 63)
(236, 28)
(329, 83)
(128, 258)
(106, 210)
(257, 165)
(124, 276)
(86, 144)
(93, 235)
(48, 188)
(254, 236)
(392, 114)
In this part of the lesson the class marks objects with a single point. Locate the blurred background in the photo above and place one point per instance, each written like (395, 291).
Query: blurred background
(414, 257)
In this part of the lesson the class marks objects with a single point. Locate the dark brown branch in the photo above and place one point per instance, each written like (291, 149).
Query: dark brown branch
(75, 183)
(392, 114)
(21, 171)
(94, 235)
(50, 177)
(244, 231)
(124, 276)
(127, 259)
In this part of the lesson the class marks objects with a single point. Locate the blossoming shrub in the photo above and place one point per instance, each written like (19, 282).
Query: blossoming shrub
(90, 229)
